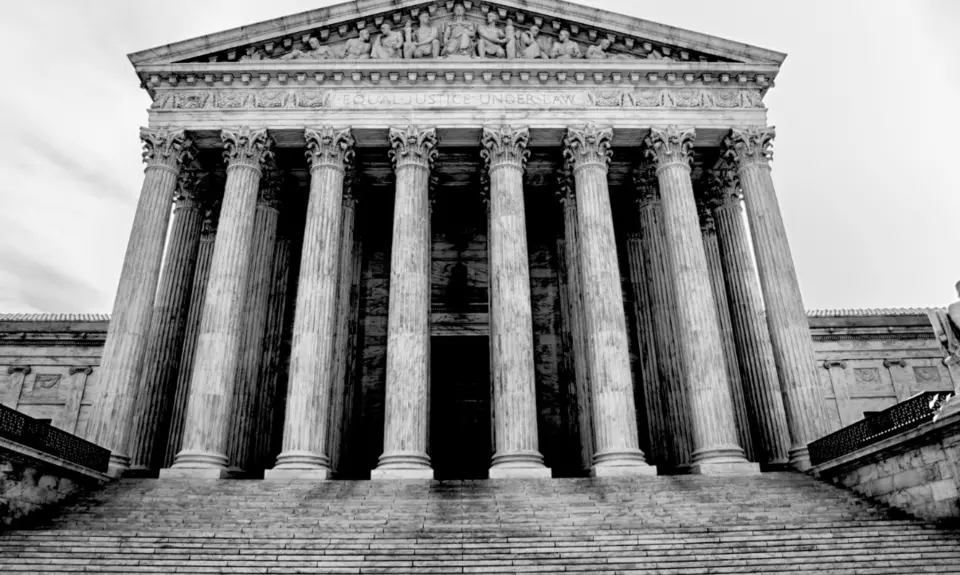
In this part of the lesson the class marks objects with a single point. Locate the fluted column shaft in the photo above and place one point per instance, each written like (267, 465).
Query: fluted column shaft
(255, 308)
(151, 419)
(270, 361)
(578, 338)
(123, 353)
(408, 323)
(342, 338)
(711, 249)
(714, 432)
(517, 451)
(213, 383)
(306, 425)
(751, 336)
(678, 442)
(587, 152)
(198, 290)
(786, 318)
(646, 336)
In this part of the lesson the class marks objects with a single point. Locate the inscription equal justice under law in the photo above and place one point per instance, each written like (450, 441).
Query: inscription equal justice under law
(461, 99)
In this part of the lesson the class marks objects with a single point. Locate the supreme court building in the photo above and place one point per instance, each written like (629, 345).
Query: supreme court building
(457, 239)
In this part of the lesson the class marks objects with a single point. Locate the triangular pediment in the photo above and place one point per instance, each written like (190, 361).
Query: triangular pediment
(464, 29)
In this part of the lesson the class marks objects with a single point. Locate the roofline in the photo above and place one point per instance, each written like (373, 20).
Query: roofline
(560, 9)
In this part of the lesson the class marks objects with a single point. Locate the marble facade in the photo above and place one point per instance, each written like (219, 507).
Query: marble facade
(359, 185)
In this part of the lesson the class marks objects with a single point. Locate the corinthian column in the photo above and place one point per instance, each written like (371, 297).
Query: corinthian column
(750, 333)
(213, 383)
(711, 249)
(191, 331)
(408, 325)
(587, 153)
(671, 393)
(517, 453)
(164, 152)
(305, 427)
(151, 418)
(786, 318)
(245, 407)
(714, 433)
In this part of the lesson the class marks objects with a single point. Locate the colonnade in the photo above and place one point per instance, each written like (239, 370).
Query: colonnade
(705, 390)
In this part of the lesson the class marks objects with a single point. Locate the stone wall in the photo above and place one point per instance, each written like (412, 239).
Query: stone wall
(49, 366)
(869, 360)
(917, 471)
(33, 483)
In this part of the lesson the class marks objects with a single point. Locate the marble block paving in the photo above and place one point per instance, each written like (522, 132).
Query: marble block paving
(773, 523)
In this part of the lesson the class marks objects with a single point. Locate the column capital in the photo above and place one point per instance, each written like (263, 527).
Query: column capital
(211, 217)
(589, 145)
(413, 146)
(191, 184)
(750, 146)
(247, 147)
(165, 148)
(671, 146)
(330, 147)
(505, 146)
(724, 184)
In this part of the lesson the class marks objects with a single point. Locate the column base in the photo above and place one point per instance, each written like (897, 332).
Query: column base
(623, 471)
(392, 473)
(302, 460)
(725, 469)
(403, 465)
(195, 473)
(531, 472)
(800, 458)
(290, 474)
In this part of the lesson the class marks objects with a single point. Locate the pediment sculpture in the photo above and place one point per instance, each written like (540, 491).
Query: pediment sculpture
(458, 36)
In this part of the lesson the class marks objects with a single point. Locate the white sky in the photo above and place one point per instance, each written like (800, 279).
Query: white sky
(866, 109)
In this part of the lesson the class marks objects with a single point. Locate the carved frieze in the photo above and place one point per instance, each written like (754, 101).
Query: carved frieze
(463, 98)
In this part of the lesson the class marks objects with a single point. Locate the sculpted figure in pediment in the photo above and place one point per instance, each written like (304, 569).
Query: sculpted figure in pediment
(315, 52)
(459, 36)
(496, 43)
(358, 48)
(424, 42)
(529, 45)
(599, 52)
(565, 48)
(253, 54)
(388, 45)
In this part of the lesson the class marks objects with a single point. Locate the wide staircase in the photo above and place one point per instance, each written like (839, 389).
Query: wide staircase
(774, 523)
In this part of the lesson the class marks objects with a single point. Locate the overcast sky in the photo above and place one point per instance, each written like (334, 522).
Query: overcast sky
(867, 107)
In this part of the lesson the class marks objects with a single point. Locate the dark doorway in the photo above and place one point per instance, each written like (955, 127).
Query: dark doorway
(460, 407)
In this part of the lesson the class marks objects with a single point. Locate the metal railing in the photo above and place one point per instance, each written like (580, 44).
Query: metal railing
(905, 415)
(41, 436)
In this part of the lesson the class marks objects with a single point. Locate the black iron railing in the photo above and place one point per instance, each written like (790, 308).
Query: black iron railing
(905, 415)
(43, 437)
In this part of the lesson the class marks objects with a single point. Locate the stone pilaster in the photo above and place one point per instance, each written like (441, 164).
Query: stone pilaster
(212, 385)
(646, 337)
(578, 336)
(587, 153)
(151, 418)
(245, 409)
(750, 148)
(127, 337)
(306, 424)
(198, 290)
(711, 248)
(341, 362)
(517, 452)
(750, 334)
(678, 442)
(408, 324)
(16, 374)
(714, 432)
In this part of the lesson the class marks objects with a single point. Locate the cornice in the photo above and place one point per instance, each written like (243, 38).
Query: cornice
(470, 73)
(345, 17)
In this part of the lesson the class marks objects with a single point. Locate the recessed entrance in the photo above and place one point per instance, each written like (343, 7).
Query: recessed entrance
(460, 422)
